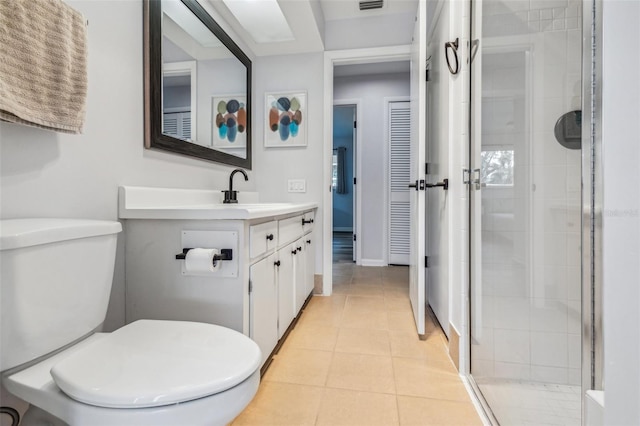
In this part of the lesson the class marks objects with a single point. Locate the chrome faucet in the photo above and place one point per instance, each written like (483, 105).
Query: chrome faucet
(231, 196)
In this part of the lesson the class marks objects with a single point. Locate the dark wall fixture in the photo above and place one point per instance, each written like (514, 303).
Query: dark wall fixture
(568, 130)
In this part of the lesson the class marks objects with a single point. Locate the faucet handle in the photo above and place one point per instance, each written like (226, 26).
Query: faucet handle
(230, 197)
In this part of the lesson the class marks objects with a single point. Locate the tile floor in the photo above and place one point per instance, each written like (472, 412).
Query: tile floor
(355, 359)
(527, 404)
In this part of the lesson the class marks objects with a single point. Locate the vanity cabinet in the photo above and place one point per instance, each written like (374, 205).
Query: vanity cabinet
(293, 264)
(264, 304)
(249, 293)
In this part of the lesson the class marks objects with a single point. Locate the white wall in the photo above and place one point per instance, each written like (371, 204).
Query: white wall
(371, 90)
(373, 31)
(276, 165)
(52, 174)
(621, 236)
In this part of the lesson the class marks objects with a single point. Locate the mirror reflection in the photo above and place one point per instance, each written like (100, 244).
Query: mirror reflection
(202, 79)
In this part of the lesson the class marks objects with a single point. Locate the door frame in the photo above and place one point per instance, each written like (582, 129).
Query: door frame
(357, 160)
(331, 59)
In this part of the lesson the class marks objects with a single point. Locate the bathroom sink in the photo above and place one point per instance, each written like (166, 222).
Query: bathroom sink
(170, 203)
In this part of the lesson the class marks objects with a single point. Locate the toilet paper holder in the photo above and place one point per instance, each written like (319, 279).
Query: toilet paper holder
(225, 254)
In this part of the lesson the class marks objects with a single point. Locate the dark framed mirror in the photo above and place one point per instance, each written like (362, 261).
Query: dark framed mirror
(197, 85)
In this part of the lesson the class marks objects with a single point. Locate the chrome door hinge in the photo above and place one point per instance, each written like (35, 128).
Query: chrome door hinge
(476, 179)
(471, 177)
(466, 176)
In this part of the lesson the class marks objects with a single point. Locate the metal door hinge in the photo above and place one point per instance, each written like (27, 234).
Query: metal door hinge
(250, 286)
(354, 181)
(354, 237)
(355, 124)
(466, 176)
(426, 261)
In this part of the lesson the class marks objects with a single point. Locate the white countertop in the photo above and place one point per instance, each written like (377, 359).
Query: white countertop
(168, 203)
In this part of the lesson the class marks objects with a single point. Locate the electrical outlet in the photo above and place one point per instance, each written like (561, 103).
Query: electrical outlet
(297, 185)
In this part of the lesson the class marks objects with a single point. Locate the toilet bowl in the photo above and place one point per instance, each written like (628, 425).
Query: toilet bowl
(149, 372)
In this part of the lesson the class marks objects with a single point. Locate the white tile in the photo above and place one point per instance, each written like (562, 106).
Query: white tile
(575, 351)
(511, 313)
(549, 374)
(555, 248)
(575, 376)
(558, 24)
(559, 12)
(512, 371)
(574, 283)
(512, 346)
(482, 368)
(549, 315)
(534, 15)
(482, 345)
(546, 24)
(574, 253)
(546, 14)
(572, 11)
(555, 214)
(551, 282)
(574, 316)
(549, 349)
(571, 23)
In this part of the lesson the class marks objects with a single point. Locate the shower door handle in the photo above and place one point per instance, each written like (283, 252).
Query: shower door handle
(444, 184)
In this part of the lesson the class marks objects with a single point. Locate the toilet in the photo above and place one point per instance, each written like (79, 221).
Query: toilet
(55, 283)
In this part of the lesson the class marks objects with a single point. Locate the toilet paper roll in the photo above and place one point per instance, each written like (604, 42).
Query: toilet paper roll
(201, 260)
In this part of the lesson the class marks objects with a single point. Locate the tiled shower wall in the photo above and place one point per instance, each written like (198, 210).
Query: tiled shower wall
(531, 75)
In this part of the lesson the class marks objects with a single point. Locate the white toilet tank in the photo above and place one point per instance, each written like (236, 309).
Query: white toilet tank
(55, 282)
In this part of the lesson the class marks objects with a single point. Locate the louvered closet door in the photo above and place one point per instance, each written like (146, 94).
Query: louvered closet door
(400, 176)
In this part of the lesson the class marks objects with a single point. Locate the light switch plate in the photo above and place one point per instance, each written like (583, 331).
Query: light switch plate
(297, 185)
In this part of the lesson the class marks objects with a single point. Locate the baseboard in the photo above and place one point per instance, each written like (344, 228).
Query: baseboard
(342, 229)
(317, 284)
(454, 346)
(372, 262)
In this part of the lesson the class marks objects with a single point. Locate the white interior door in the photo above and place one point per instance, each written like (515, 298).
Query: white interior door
(437, 205)
(399, 174)
(418, 148)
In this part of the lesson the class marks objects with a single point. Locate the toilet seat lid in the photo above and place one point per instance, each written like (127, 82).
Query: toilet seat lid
(152, 363)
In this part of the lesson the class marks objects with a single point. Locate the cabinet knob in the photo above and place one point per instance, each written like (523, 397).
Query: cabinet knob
(308, 241)
(299, 248)
(294, 251)
(277, 263)
(270, 237)
(304, 222)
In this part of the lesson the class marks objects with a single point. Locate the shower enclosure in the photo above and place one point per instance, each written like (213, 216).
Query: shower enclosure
(526, 210)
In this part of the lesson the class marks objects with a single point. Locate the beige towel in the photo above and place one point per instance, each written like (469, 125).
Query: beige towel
(43, 64)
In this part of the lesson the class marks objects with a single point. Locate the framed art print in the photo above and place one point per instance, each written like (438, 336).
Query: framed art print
(229, 121)
(286, 119)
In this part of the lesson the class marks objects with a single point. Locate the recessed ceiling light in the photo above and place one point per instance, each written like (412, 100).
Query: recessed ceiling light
(262, 19)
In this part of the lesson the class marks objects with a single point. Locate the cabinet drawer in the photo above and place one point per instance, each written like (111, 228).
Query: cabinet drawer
(308, 221)
(262, 238)
(289, 230)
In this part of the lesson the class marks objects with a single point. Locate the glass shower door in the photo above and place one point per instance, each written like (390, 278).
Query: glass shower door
(525, 198)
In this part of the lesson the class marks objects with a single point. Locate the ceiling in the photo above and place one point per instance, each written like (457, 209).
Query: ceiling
(320, 25)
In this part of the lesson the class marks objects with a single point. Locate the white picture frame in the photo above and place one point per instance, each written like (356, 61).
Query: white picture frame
(286, 119)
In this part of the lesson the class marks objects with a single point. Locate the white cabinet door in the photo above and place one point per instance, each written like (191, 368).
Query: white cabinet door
(263, 305)
(309, 262)
(286, 294)
(299, 273)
